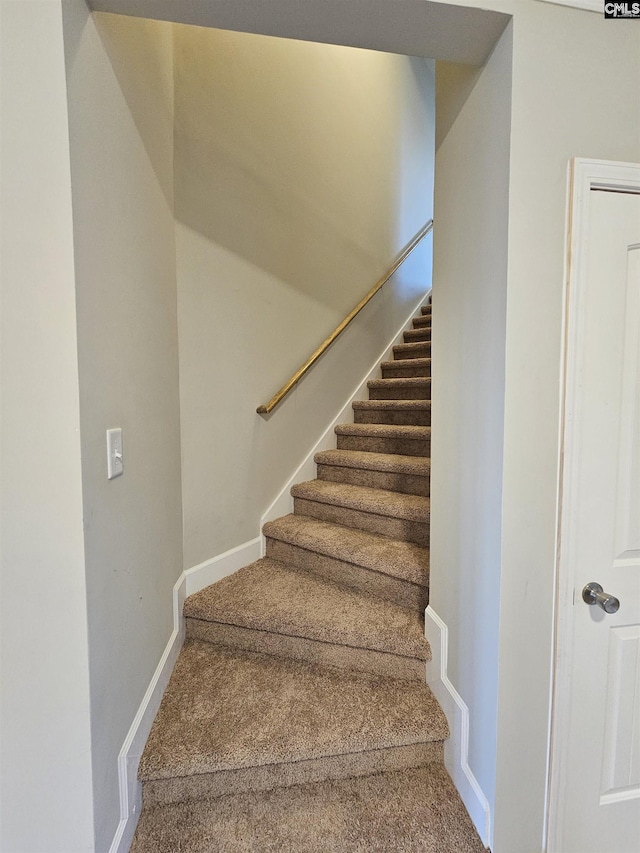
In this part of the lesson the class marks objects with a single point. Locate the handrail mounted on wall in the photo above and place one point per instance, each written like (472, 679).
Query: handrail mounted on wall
(300, 372)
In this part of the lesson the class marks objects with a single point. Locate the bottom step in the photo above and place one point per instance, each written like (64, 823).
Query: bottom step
(417, 809)
(232, 722)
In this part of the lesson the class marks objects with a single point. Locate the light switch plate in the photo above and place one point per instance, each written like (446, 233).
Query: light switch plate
(115, 464)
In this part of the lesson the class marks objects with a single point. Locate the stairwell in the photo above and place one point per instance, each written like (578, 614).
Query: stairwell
(297, 717)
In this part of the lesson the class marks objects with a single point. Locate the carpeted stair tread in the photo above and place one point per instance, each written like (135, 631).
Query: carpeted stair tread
(401, 382)
(422, 321)
(419, 366)
(402, 560)
(422, 333)
(413, 350)
(269, 596)
(393, 405)
(407, 362)
(407, 811)
(401, 438)
(402, 412)
(392, 462)
(415, 433)
(226, 709)
(426, 309)
(400, 387)
(376, 501)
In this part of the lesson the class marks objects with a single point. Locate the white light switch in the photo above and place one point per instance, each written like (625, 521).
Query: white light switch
(115, 465)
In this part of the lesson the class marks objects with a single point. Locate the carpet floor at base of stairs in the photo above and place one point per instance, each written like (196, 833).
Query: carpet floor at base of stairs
(412, 811)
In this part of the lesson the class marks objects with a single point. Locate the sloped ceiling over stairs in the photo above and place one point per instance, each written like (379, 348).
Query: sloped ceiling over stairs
(411, 27)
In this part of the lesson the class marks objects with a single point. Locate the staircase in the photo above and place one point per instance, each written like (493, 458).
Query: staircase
(297, 717)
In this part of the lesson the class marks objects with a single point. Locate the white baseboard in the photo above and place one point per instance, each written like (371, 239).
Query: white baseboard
(190, 581)
(130, 788)
(224, 564)
(456, 753)
(283, 504)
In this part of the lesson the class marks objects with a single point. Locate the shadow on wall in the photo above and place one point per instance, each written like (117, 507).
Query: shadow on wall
(292, 156)
(299, 171)
(146, 85)
(454, 84)
(414, 169)
(308, 163)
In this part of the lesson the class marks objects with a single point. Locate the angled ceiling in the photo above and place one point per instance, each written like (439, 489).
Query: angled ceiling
(413, 27)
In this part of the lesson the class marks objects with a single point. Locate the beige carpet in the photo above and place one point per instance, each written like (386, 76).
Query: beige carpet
(227, 710)
(402, 812)
(270, 596)
(298, 717)
(402, 560)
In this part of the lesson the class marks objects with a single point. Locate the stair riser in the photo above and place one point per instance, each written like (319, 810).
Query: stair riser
(408, 484)
(419, 372)
(421, 417)
(403, 593)
(422, 321)
(404, 351)
(411, 392)
(396, 528)
(375, 444)
(414, 335)
(209, 785)
(426, 310)
(305, 649)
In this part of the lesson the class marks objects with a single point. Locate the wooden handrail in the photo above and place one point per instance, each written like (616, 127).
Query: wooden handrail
(300, 372)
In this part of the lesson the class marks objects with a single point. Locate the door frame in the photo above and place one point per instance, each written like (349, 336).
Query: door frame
(584, 175)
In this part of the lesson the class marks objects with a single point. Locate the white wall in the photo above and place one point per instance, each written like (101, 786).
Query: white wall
(469, 305)
(301, 169)
(44, 702)
(567, 101)
(570, 104)
(120, 89)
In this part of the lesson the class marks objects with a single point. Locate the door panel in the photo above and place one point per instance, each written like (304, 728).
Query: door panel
(598, 803)
(621, 767)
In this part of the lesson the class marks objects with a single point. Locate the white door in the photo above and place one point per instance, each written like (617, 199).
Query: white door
(595, 760)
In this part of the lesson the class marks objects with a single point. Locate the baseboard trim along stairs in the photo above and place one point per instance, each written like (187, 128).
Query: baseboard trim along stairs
(190, 581)
(456, 749)
(298, 716)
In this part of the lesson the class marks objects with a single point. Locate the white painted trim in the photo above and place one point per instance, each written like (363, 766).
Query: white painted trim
(129, 757)
(456, 751)
(587, 5)
(190, 581)
(219, 567)
(283, 503)
(584, 175)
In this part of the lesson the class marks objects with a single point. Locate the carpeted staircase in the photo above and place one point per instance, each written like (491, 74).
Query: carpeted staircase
(297, 717)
